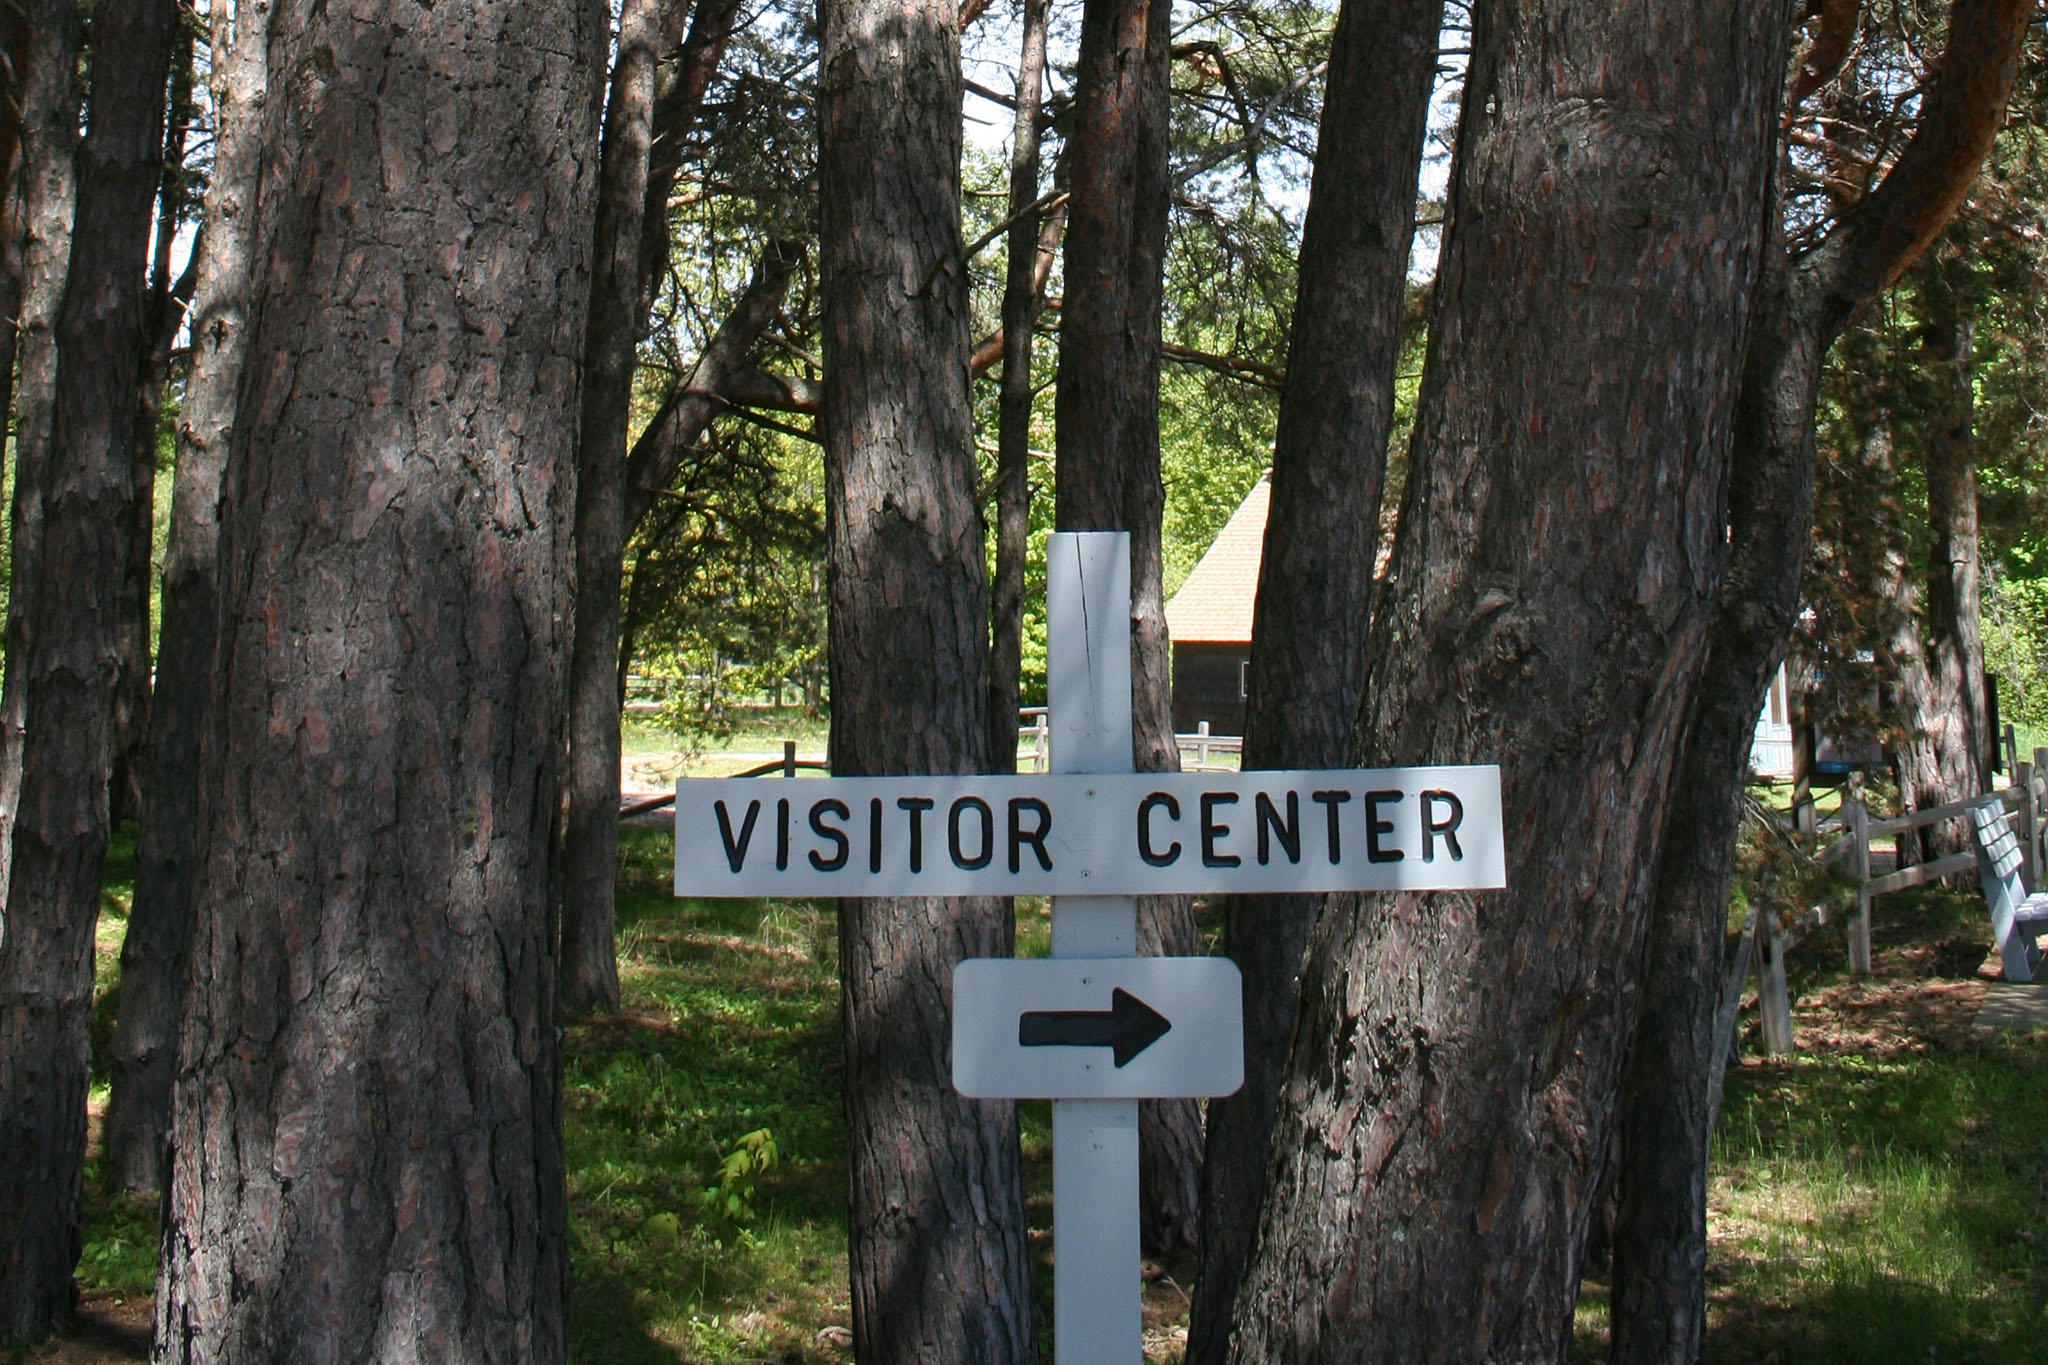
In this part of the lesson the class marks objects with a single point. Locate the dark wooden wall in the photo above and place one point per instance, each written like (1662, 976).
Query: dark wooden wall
(1208, 684)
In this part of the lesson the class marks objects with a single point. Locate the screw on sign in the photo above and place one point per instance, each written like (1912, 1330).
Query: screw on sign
(1095, 1028)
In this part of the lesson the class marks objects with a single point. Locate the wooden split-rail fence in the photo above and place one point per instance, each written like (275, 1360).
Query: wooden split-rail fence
(1035, 735)
(1202, 747)
(1763, 941)
(1879, 873)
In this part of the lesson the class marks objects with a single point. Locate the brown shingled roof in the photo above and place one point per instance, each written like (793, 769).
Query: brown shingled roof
(1215, 605)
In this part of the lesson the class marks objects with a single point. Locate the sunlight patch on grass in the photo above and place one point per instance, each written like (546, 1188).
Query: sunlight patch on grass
(729, 1026)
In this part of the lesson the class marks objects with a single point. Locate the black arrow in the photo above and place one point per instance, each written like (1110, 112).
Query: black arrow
(1127, 1027)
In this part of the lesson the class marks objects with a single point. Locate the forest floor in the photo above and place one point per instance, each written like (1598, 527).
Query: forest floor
(1879, 1195)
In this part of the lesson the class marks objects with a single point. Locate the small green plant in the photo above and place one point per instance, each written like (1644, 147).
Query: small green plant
(730, 1198)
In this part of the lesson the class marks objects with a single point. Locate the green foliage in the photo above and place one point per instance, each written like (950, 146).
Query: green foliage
(731, 1197)
(1777, 872)
(1974, 303)
(2016, 649)
(724, 600)
(685, 1240)
(120, 1242)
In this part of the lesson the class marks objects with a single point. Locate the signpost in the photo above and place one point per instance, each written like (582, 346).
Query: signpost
(1095, 1028)
(1098, 1028)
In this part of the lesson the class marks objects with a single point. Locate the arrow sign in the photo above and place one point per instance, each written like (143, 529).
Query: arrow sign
(1037, 1028)
(1127, 1028)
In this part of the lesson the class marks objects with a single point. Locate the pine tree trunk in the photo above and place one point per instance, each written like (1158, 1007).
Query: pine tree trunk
(1666, 1114)
(15, 36)
(145, 1047)
(1671, 1094)
(49, 148)
(940, 1270)
(1917, 694)
(590, 843)
(1021, 306)
(366, 1140)
(646, 120)
(1956, 717)
(1936, 647)
(68, 674)
(672, 434)
(1106, 408)
(1445, 1109)
(1322, 531)
(161, 315)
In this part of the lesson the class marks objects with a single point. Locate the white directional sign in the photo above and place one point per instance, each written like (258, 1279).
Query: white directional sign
(1098, 1028)
(1094, 1028)
(1097, 834)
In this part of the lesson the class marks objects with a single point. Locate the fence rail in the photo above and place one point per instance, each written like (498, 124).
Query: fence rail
(2027, 796)
(1036, 735)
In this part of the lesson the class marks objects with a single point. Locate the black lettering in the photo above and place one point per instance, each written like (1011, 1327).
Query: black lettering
(874, 834)
(1329, 801)
(782, 834)
(836, 807)
(1375, 827)
(1449, 828)
(917, 806)
(1145, 849)
(1019, 836)
(1212, 831)
(1269, 821)
(988, 833)
(736, 853)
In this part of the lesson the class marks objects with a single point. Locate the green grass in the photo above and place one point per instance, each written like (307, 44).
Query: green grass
(2027, 739)
(120, 1229)
(730, 1026)
(758, 729)
(1881, 1194)
(1778, 797)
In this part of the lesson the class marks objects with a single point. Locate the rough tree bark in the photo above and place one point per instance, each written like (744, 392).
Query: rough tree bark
(1106, 410)
(162, 313)
(49, 149)
(366, 1136)
(937, 1254)
(1666, 1110)
(1953, 715)
(1022, 304)
(14, 42)
(1322, 531)
(645, 110)
(145, 1047)
(69, 671)
(1659, 1237)
(589, 964)
(1444, 1110)
(1912, 689)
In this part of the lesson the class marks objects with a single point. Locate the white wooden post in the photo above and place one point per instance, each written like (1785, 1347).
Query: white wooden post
(1773, 994)
(1202, 745)
(2037, 801)
(1097, 1289)
(1859, 850)
(2030, 831)
(1041, 749)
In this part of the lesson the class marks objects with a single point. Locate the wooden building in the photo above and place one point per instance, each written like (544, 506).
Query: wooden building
(1210, 622)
